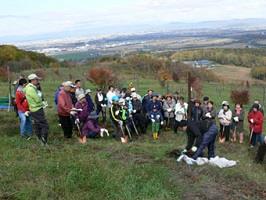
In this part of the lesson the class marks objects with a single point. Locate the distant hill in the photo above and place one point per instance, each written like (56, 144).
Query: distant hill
(18, 59)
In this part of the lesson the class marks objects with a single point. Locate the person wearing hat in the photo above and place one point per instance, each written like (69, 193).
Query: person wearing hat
(64, 108)
(196, 111)
(255, 119)
(101, 103)
(169, 109)
(156, 118)
(225, 119)
(91, 106)
(36, 108)
(133, 90)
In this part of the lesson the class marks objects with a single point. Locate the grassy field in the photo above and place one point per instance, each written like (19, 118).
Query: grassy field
(106, 169)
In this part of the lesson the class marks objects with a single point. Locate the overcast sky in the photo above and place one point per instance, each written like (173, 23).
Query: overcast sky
(33, 17)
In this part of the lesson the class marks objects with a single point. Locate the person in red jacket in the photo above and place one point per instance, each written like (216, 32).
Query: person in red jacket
(23, 110)
(255, 119)
(64, 108)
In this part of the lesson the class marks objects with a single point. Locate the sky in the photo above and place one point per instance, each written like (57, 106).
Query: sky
(26, 18)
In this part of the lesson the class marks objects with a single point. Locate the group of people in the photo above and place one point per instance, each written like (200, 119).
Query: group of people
(130, 114)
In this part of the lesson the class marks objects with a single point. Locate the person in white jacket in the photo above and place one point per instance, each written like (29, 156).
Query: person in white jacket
(225, 119)
(181, 109)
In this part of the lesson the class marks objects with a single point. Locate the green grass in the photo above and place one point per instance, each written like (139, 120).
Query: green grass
(106, 169)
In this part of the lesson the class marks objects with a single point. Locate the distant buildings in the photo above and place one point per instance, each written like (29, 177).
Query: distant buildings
(200, 64)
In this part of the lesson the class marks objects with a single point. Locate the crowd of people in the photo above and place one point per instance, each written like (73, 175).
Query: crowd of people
(132, 115)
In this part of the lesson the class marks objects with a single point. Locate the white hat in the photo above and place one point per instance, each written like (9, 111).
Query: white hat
(69, 84)
(225, 103)
(81, 96)
(133, 89)
(88, 91)
(33, 77)
(134, 95)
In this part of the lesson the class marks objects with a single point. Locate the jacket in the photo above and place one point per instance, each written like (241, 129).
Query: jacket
(64, 103)
(83, 115)
(137, 105)
(225, 117)
(257, 124)
(21, 101)
(181, 112)
(34, 100)
(196, 113)
(170, 106)
(91, 125)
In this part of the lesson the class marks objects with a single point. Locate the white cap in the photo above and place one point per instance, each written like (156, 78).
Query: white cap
(81, 96)
(133, 89)
(69, 84)
(225, 103)
(88, 91)
(33, 77)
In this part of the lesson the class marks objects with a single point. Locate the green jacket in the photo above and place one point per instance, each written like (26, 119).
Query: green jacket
(34, 100)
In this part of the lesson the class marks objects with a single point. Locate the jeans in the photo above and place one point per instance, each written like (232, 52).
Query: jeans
(66, 125)
(25, 124)
(256, 138)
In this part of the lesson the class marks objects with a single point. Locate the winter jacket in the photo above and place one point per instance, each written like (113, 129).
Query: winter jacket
(181, 112)
(154, 105)
(195, 131)
(257, 124)
(211, 112)
(83, 115)
(169, 106)
(21, 101)
(91, 125)
(146, 102)
(64, 103)
(136, 104)
(225, 117)
(196, 113)
(34, 100)
(156, 115)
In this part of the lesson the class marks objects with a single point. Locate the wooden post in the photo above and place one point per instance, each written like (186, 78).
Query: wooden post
(189, 94)
(9, 89)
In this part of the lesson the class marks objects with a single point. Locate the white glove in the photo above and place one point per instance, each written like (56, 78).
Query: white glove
(107, 132)
(120, 123)
(77, 121)
(158, 116)
(134, 111)
(169, 110)
(152, 120)
(76, 109)
(73, 113)
(101, 132)
(161, 122)
(184, 151)
(117, 112)
(208, 115)
(104, 105)
(236, 119)
(27, 113)
(44, 104)
(251, 120)
(194, 149)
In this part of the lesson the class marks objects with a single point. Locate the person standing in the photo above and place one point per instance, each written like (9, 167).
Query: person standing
(91, 106)
(36, 108)
(79, 90)
(238, 123)
(23, 110)
(225, 119)
(64, 108)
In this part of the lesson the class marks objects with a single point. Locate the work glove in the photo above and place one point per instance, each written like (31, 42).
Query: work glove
(169, 110)
(120, 123)
(208, 115)
(184, 151)
(73, 113)
(251, 121)
(27, 113)
(158, 116)
(161, 122)
(194, 149)
(76, 109)
(117, 112)
(77, 121)
(101, 132)
(134, 111)
(44, 104)
(236, 119)
(153, 120)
